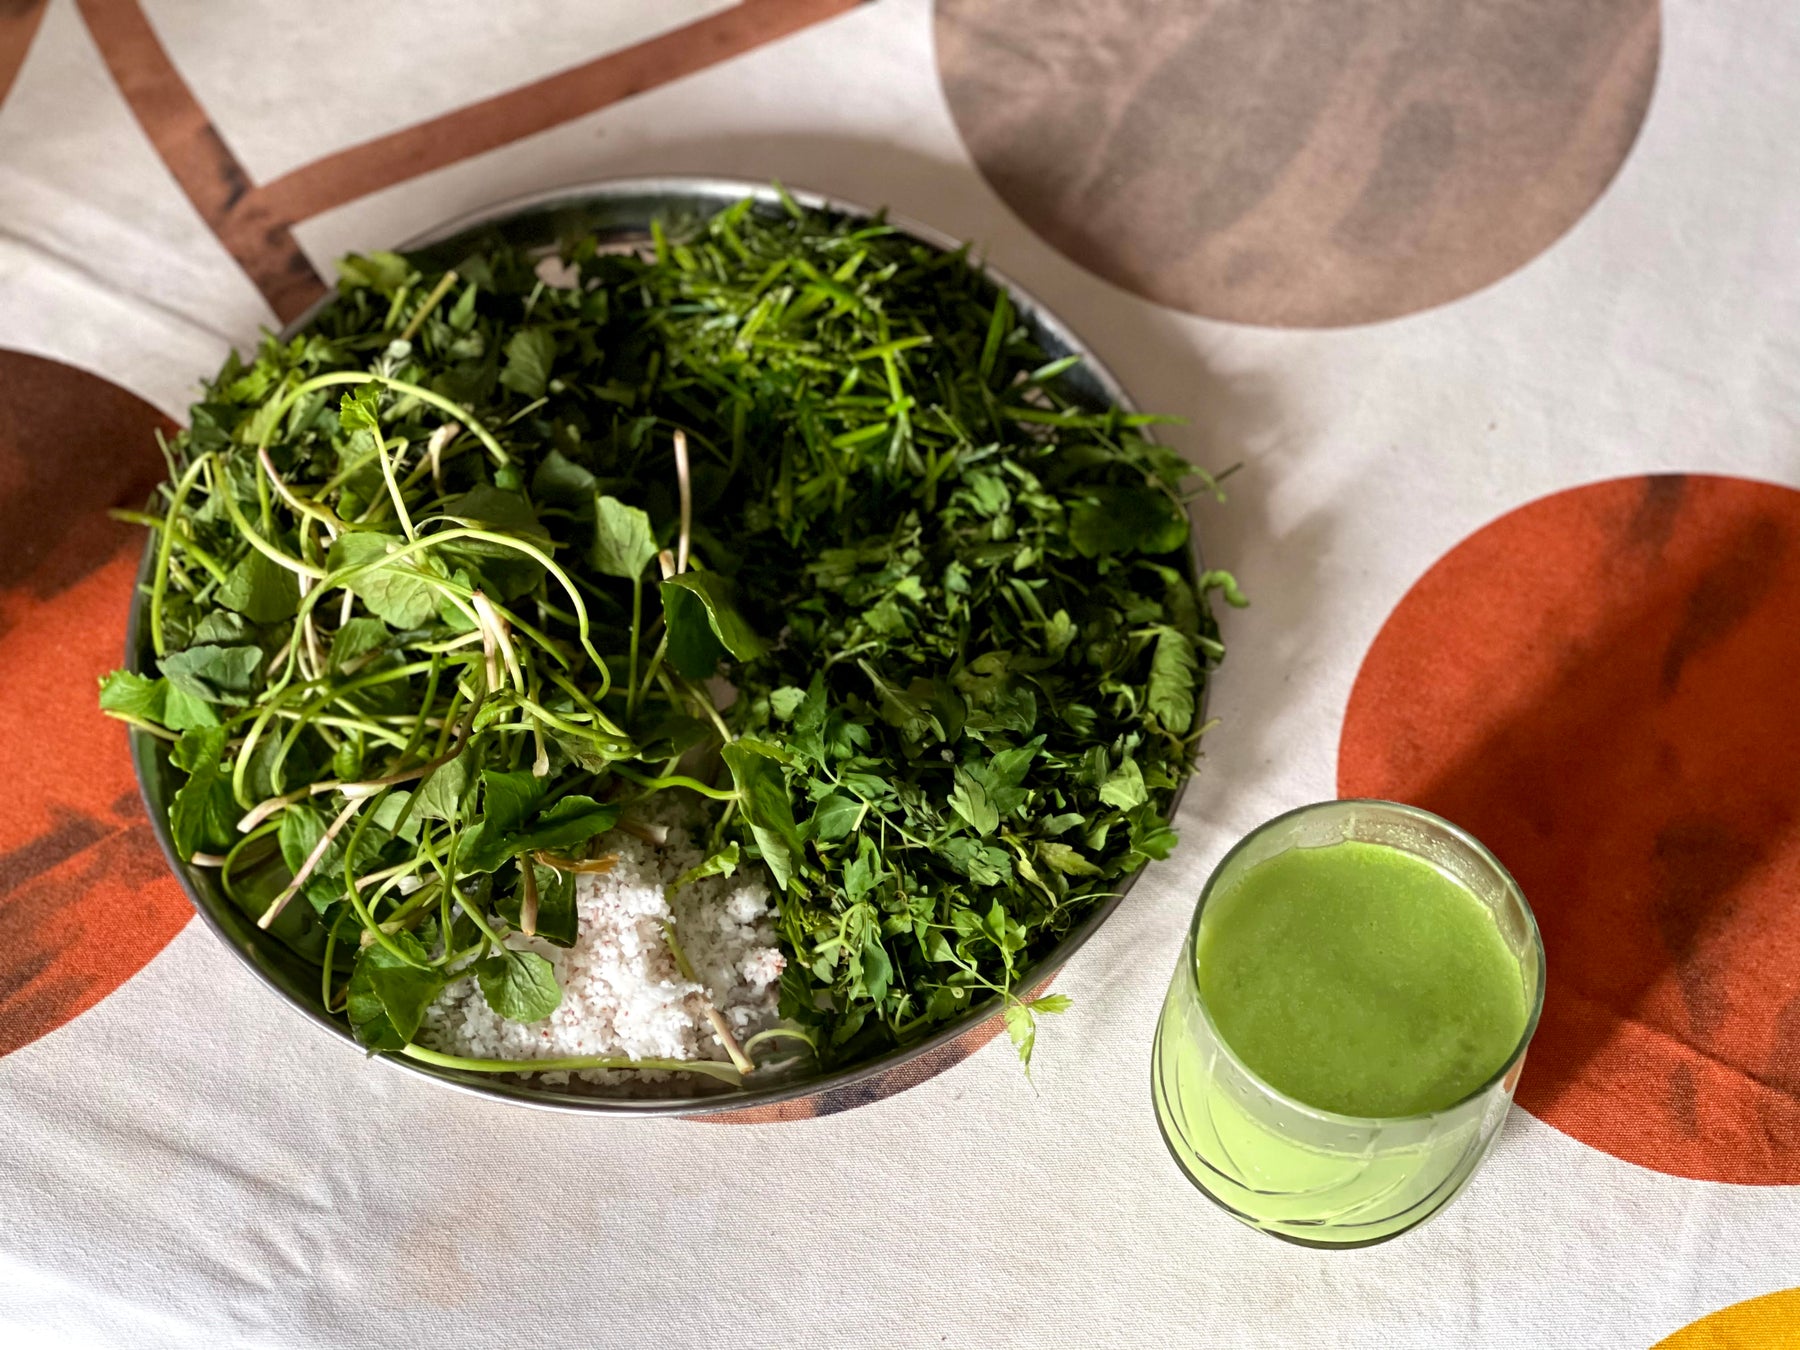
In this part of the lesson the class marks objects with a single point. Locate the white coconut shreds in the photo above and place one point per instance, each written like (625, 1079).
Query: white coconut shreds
(623, 994)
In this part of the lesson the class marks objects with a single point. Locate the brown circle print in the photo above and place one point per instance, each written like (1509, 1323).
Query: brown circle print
(85, 897)
(1299, 163)
(1602, 686)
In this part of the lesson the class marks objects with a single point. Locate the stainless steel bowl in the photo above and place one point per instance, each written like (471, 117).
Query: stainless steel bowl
(620, 213)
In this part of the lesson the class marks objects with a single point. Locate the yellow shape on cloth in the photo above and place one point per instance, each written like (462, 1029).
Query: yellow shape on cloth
(1771, 1322)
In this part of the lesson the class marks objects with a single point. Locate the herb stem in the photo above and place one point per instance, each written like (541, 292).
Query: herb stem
(307, 868)
(160, 582)
(438, 292)
(725, 1073)
(424, 395)
(675, 780)
(300, 504)
(393, 486)
(721, 1029)
(637, 622)
(187, 545)
(263, 546)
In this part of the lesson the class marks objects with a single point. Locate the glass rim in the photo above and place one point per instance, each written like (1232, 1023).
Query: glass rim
(1191, 972)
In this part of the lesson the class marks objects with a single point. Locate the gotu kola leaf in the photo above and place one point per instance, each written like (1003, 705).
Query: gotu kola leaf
(763, 800)
(519, 986)
(704, 624)
(261, 589)
(225, 675)
(1132, 519)
(396, 589)
(623, 541)
(202, 813)
(388, 995)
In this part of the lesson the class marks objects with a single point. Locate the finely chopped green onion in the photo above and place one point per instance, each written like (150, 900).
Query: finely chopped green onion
(471, 548)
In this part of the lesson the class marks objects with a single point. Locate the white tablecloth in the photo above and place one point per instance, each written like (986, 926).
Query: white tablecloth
(188, 1164)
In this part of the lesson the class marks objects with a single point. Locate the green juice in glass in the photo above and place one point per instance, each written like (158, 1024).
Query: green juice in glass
(1340, 1043)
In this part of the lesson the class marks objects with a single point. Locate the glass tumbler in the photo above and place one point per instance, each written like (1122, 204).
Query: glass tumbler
(1316, 1177)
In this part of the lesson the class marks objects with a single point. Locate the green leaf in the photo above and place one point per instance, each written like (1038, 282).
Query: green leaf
(403, 989)
(1174, 674)
(986, 677)
(863, 871)
(877, 970)
(441, 796)
(720, 864)
(302, 826)
(785, 702)
(910, 712)
(368, 1015)
(1110, 520)
(397, 591)
(763, 801)
(1151, 835)
(1124, 787)
(834, 817)
(388, 815)
(360, 636)
(557, 921)
(560, 481)
(530, 353)
(360, 410)
(508, 798)
(1021, 1023)
(694, 648)
(624, 543)
(969, 799)
(519, 986)
(505, 571)
(136, 695)
(727, 625)
(260, 589)
(1009, 767)
(570, 821)
(668, 734)
(202, 813)
(384, 272)
(183, 712)
(983, 864)
(227, 675)
(1004, 931)
(500, 510)
(1065, 859)
(1021, 1027)
(224, 628)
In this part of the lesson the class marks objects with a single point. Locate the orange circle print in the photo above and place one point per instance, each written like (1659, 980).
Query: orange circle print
(1604, 686)
(85, 898)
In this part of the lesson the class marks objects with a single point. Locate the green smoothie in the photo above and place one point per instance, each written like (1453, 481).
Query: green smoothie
(1357, 979)
(1360, 979)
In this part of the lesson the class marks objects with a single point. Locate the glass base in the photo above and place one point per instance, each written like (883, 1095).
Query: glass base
(1315, 1244)
(1317, 1199)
